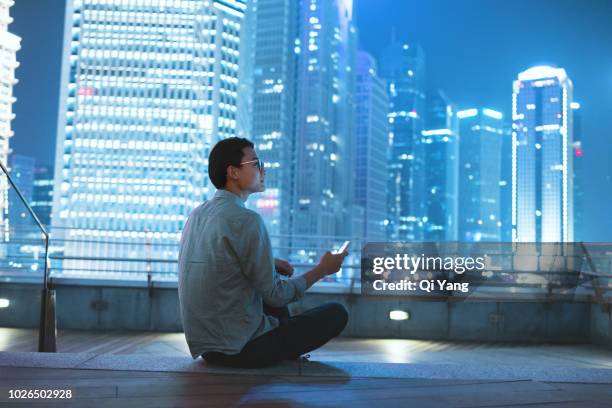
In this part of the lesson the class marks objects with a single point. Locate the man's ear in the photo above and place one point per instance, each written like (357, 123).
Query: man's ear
(232, 172)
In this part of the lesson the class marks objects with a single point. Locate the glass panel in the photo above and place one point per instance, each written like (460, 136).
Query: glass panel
(22, 263)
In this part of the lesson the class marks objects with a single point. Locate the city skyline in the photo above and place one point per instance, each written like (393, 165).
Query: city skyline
(492, 104)
(475, 49)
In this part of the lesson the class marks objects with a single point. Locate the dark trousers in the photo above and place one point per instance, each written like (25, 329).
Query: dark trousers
(296, 335)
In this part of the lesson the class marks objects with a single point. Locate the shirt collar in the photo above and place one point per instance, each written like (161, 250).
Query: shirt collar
(228, 195)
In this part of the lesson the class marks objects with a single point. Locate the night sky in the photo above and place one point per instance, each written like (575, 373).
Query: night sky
(474, 49)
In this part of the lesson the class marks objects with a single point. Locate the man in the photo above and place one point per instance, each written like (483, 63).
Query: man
(233, 303)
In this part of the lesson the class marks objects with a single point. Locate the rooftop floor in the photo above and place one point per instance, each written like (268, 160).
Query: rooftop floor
(154, 369)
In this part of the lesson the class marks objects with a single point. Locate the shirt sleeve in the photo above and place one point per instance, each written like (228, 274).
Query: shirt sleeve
(257, 264)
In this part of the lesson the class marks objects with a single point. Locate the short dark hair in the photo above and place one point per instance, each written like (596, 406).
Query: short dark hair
(227, 152)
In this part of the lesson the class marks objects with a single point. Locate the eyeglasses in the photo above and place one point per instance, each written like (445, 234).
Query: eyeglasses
(260, 163)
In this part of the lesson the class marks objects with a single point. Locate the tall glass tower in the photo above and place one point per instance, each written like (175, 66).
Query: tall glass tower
(402, 65)
(9, 45)
(42, 193)
(147, 88)
(21, 169)
(324, 121)
(480, 174)
(441, 147)
(371, 148)
(542, 163)
(579, 174)
(274, 53)
(505, 184)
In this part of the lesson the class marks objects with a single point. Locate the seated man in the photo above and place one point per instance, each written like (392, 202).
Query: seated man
(227, 275)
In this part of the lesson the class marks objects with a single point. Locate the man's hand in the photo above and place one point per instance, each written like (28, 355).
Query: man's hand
(331, 263)
(283, 267)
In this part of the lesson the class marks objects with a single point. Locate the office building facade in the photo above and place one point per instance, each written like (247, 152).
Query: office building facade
(323, 172)
(482, 133)
(9, 45)
(371, 148)
(441, 151)
(147, 89)
(402, 66)
(542, 159)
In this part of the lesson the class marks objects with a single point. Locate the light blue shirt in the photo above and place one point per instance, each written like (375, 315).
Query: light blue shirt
(226, 270)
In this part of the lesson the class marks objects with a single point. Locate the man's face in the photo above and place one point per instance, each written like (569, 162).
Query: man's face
(250, 178)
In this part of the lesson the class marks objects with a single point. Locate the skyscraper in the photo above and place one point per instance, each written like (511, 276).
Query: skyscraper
(274, 31)
(579, 175)
(9, 45)
(147, 88)
(21, 169)
(324, 121)
(482, 134)
(22, 232)
(402, 65)
(505, 185)
(542, 163)
(371, 148)
(441, 149)
(42, 193)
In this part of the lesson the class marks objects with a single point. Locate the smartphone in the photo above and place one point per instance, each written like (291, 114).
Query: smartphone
(343, 247)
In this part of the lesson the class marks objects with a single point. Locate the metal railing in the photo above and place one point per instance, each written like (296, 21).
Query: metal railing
(542, 276)
(47, 330)
(155, 260)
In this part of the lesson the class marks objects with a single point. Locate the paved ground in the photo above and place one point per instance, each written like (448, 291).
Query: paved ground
(339, 350)
(153, 369)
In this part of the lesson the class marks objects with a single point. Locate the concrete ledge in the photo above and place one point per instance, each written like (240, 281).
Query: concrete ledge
(601, 326)
(467, 371)
(104, 308)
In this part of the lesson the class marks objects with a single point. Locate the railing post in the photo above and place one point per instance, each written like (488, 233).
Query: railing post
(47, 329)
(47, 332)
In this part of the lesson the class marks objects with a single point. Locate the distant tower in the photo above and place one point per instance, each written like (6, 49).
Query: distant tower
(9, 45)
(402, 66)
(273, 34)
(578, 151)
(324, 123)
(441, 147)
(480, 174)
(42, 193)
(371, 148)
(22, 172)
(542, 159)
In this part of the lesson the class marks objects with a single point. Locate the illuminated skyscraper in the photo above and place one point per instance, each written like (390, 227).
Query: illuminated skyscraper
(274, 31)
(324, 121)
(480, 174)
(441, 148)
(542, 163)
(147, 88)
(20, 223)
(403, 67)
(21, 169)
(371, 148)
(42, 193)
(579, 174)
(9, 45)
(505, 184)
